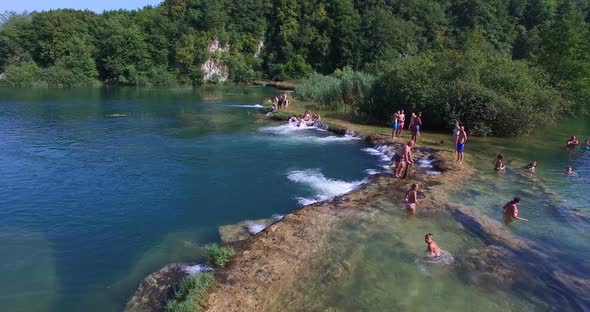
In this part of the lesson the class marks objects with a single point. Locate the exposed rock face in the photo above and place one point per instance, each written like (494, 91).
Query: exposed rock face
(156, 289)
(213, 69)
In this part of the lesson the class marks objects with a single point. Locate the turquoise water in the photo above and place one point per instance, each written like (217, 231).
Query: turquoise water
(102, 187)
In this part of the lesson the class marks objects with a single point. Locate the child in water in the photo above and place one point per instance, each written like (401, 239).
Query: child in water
(570, 171)
(432, 249)
(499, 163)
(586, 146)
(412, 199)
(531, 167)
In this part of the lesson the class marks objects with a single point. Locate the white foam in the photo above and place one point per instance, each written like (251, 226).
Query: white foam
(372, 151)
(256, 228)
(245, 106)
(322, 187)
(372, 171)
(195, 269)
(277, 216)
(378, 151)
(291, 133)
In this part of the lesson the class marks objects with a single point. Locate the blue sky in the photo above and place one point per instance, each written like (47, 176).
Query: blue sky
(96, 5)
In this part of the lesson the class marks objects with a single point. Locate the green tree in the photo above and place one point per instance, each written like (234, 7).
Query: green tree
(345, 49)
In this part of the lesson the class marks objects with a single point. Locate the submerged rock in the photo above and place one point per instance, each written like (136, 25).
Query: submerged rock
(243, 230)
(157, 288)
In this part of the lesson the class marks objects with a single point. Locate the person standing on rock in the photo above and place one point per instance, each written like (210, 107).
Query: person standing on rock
(461, 139)
(395, 124)
(412, 199)
(400, 123)
(401, 156)
(416, 127)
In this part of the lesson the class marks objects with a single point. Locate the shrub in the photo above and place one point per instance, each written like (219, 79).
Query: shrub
(218, 256)
(23, 75)
(190, 293)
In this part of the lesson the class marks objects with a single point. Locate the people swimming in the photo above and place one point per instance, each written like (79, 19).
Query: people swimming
(570, 171)
(499, 163)
(412, 199)
(402, 156)
(572, 142)
(510, 210)
(432, 249)
(532, 167)
(460, 142)
(586, 146)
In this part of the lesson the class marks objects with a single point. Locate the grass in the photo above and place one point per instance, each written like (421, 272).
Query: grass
(191, 292)
(218, 256)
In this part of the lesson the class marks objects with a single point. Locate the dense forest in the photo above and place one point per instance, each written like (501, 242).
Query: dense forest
(480, 61)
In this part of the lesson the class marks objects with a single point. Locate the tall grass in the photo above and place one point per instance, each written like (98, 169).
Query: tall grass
(218, 256)
(344, 90)
(191, 292)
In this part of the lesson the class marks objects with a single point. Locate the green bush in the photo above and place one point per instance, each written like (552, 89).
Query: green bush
(190, 293)
(23, 75)
(218, 256)
(344, 90)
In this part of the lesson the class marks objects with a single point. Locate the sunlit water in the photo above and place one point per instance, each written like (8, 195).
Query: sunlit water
(102, 187)
(379, 265)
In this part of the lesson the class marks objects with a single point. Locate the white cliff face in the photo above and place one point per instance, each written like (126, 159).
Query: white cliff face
(213, 69)
(260, 46)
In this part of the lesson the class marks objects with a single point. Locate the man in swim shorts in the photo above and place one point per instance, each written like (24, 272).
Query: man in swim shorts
(401, 156)
(461, 139)
(432, 249)
(412, 199)
(416, 127)
(510, 210)
(395, 124)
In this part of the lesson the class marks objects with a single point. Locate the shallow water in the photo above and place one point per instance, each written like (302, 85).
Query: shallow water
(102, 187)
(378, 265)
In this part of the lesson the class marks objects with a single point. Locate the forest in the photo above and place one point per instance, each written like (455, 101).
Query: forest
(503, 67)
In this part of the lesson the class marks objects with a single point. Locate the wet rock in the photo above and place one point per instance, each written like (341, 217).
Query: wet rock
(243, 230)
(156, 289)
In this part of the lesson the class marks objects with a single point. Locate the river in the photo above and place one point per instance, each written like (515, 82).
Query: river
(102, 187)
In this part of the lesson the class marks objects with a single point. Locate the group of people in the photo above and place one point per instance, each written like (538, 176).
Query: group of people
(399, 120)
(280, 101)
(402, 159)
(307, 119)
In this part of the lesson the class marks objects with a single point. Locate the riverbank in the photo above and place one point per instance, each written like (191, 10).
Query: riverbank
(268, 265)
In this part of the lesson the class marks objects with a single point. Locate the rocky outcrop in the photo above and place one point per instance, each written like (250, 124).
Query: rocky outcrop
(213, 69)
(156, 289)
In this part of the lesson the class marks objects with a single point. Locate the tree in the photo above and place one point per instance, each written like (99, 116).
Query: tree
(345, 49)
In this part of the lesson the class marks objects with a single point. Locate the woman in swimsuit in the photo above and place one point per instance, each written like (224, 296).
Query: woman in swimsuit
(510, 210)
(412, 199)
(531, 167)
(572, 142)
(499, 163)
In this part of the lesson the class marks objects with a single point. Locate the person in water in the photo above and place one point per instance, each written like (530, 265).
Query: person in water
(412, 199)
(395, 124)
(432, 249)
(499, 163)
(532, 167)
(402, 156)
(461, 139)
(570, 171)
(400, 123)
(586, 146)
(572, 142)
(416, 129)
(510, 210)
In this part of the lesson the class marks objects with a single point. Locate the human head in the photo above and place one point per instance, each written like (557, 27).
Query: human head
(587, 141)
(411, 143)
(569, 169)
(428, 238)
(414, 186)
(500, 156)
(402, 111)
(573, 137)
(420, 114)
(516, 200)
(534, 162)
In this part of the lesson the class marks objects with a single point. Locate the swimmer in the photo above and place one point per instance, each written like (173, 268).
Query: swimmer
(412, 199)
(572, 142)
(461, 139)
(510, 210)
(400, 123)
(586, 146)
(499, 163)
(570, 171)
(417, 125)
(531, 167)
(395, 124)
(432, 249)
(401, 156)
